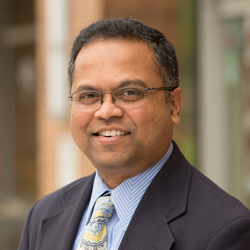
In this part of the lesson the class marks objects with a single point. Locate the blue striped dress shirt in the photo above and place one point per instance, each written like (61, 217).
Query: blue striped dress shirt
(126, 198)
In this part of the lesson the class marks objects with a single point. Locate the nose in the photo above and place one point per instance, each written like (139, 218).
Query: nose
(108, 109)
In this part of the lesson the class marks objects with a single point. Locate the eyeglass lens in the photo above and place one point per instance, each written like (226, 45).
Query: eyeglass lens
(123, 97)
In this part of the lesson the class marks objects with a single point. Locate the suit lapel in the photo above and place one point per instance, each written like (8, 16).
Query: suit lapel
(60, 229)
(77, 214)
(148, 229)
(164, 201)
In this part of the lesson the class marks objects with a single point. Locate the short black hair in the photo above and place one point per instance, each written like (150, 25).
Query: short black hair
(109, 29)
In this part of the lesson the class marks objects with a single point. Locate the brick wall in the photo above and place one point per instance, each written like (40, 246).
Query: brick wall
(160, 14)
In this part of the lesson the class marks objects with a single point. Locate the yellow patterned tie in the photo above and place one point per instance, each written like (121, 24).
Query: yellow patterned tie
(95, 234)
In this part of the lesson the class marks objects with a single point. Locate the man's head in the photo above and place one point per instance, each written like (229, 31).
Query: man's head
(129, 29)
(129, 130)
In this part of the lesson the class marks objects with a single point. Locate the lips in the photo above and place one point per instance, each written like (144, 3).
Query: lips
(110, 133)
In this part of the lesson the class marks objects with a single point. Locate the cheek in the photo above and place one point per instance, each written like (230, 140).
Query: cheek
(78, 123)
(152, 115)
(140, 117)
(156, 120)
(145, 119)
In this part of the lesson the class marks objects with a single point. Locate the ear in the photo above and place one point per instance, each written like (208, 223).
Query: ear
(176, 105)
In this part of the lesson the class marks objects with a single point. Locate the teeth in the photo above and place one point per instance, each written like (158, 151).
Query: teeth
(111, 133)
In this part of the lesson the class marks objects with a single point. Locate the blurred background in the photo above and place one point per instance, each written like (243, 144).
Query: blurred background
(37, 153)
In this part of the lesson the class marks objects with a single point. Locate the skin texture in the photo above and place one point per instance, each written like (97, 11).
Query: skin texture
(108, 65)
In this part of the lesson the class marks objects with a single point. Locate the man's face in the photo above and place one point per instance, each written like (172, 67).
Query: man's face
(142, 134)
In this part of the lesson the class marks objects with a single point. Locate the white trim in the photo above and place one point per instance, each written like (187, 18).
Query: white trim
(234, 8)
(56, 30)
(213, 130)
(211, 97)
(67, 160)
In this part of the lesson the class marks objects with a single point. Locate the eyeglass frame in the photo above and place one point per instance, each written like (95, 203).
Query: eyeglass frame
(114, 100)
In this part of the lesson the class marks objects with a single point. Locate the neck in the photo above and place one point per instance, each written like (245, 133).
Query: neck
(114, 180)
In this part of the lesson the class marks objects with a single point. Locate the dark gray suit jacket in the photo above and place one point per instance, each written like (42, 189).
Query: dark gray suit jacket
(180, 210)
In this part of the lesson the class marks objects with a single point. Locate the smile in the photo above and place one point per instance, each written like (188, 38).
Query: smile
(110, 133)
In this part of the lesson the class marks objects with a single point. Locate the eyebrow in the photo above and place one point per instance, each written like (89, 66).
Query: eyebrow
(125, 83)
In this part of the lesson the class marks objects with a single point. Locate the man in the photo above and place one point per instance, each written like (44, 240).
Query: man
(125, 99)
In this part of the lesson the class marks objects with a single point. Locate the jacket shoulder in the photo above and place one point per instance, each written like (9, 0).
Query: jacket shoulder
(202, 188)
(212, 218)
(59, 204)
(56, 201)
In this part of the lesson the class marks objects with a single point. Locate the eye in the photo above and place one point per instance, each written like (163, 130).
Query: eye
(88, 97)
(130, 94)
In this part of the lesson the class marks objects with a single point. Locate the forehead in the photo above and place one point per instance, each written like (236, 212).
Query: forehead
(115, 60)
(116, 49)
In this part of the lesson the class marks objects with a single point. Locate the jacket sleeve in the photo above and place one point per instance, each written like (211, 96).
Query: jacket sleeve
(233, 236)
(24, 243)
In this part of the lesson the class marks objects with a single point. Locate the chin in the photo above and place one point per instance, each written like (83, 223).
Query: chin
(112, 161)
(112, 164)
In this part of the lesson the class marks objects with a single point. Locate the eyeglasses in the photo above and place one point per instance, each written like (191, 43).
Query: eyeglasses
(129, 96)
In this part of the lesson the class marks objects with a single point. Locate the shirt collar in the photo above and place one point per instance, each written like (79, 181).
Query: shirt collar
(99, 187)
(128, 194)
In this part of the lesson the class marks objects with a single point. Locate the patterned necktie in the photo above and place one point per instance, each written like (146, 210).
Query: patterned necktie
(95, 234)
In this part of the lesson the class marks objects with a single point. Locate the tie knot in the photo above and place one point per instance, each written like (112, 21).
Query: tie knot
(104, 207)
(95, 234)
